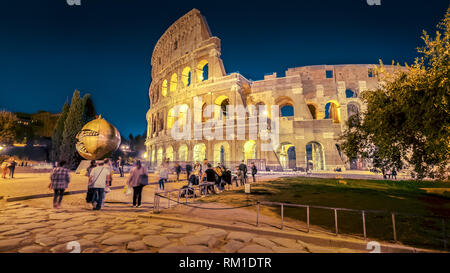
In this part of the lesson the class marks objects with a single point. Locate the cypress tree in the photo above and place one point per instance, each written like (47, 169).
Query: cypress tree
(72, 125)
(58, 132)
(89, 112)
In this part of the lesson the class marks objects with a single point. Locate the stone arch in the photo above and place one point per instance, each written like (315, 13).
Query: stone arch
(352, 109)
(170, 118)
(315, 156)
(173, 82)
(222, 101)
(199, 152)
(221, 153)
(286, 105)
(249, 150)
(202, 70)
(159, 156)
(186, 76)
(332, 111)
(164, 86)
(183, 153)
(169, 153)
(287, 155)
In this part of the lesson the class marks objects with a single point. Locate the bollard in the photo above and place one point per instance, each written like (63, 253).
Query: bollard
(178, 198)
(282, 215)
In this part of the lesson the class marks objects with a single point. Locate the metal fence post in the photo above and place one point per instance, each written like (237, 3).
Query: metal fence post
(168, 200)
(364, 224)
(336, 221)
(393, 227)
(178, 198)
(257, 214)
(444, 233)
(307, 217)
(185, 195)
(282, 215)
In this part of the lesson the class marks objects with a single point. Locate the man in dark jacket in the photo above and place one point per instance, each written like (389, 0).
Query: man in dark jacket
(243, 168)
(188, 170)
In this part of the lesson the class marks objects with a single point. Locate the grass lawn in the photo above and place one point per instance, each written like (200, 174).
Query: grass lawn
(391, 196)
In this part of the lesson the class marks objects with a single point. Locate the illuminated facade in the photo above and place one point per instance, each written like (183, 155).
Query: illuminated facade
(314, 101)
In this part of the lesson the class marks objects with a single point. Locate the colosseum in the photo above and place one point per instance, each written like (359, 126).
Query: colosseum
(314, 104)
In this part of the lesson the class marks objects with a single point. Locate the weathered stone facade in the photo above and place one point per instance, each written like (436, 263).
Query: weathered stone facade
(186, 64)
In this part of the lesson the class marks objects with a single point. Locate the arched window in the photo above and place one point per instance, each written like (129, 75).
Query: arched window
(287, 111)
(315, 158)
(170, 118)
(332, 112)
(164, 88)
(350, 94)
(249, 150)
(202, 70)
(352, 109)
(313, 110)
(173, 82)
(222, 101)
(186, 76)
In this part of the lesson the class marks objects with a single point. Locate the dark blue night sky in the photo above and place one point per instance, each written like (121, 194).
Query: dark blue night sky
(103, 47)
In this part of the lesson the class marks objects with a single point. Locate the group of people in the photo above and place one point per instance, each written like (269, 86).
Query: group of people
(8, 165)
(219, 175)
(100, 177)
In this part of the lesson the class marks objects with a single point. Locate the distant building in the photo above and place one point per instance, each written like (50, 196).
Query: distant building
(42, 123)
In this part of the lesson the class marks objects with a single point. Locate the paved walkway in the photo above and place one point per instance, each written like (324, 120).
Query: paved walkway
(34, 226)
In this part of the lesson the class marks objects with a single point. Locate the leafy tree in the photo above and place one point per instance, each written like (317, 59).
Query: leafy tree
(407, 119)
(72, 125)
(8, 122)
(58, 132)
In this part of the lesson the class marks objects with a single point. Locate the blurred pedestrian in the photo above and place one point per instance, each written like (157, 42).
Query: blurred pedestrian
(178, 171)
(188, 170)
(121, 164)
(254, 171)
(4, 168)
(243, 168)
(163, 175)
(59, 181)
(135, 181)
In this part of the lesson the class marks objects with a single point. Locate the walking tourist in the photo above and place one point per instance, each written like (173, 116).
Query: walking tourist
(178, 171)
(59, 181)
(90, 190)
(394, 174)
(204, 166)
(163, 175)
(188, 170)
(121, 163)
(135, 180)
(97, 180)
(12, 166)
(254, 171)
(243, 168)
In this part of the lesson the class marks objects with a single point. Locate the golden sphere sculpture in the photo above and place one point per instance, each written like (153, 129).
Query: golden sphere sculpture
(97, 138)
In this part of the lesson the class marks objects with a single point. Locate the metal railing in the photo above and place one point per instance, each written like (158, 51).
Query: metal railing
(362, 212)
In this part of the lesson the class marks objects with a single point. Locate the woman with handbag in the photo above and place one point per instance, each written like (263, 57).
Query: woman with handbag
(137, 180)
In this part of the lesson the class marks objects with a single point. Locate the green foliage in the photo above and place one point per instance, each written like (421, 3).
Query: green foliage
(72, 125)
(407, 117)
(8, 122)
(58, 132)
